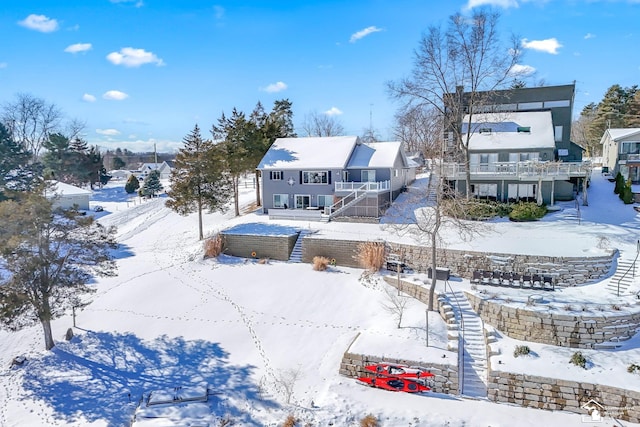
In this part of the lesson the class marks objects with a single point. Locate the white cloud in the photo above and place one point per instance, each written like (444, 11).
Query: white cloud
(88, 98)
(115, 95)
(363, 33)
(78, 47)
(548, 45)
(521, 70)
(333, 111)
(136, 3)
(500, 3)
(130, 57)
(40, 23)
(275, 87)
(108, 132)
(589, 36)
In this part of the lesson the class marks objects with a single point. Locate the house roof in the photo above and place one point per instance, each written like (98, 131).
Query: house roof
(331, 152)
(504, 134)
(375, 155)
(62, 189)
(618, 133)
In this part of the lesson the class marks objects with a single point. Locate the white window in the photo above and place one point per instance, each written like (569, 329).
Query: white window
(486, 190)
(558, 133)
(276, 175)
(395, 173)
(554, 104)
(521, 191)
(281, 201)
(315, 177)
(325, 200)
(368, 176)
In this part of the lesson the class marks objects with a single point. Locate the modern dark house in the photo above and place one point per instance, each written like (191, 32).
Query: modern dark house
(519, 145)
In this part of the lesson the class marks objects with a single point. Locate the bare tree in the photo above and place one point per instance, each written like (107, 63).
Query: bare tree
(316, 124)
(287, 379)
(419, 128)
(31, 120)
(395, 304)
(455, 72)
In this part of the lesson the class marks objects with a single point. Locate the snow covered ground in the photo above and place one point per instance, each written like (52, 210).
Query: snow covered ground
(262, 334)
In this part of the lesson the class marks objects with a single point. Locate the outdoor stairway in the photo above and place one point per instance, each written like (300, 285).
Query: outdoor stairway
(296, 252)
(625, 276)
(474, 351)
(432, 189)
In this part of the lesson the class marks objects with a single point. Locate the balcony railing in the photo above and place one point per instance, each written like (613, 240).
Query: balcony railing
(363, 186)
(629, 157)
(519, 170)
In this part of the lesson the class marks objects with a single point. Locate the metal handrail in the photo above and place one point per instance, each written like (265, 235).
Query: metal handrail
(632, 267)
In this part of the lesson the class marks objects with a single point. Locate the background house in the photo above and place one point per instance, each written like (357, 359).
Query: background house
(333, 176)
(519, 146)
(163, 168)
(65, 196)
(621, 152)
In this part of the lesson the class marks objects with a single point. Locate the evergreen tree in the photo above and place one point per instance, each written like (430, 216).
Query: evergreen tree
(132, 184)
(198, 180)
(17, 173)
(617, 109)
(152, 186)
(118, 163)
(283, 116)
(48, 258)
(241, 142)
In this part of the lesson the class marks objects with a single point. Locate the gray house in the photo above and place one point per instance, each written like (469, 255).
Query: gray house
(621, 152)
(324, 177)
(519, 146)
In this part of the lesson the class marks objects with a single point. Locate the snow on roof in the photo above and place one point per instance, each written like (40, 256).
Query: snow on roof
(375, 155)
(504, 131)
(309, 153)
(617, 133)
(62, 189)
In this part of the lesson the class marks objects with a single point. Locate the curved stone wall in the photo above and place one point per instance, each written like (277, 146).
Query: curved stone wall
(584, 331)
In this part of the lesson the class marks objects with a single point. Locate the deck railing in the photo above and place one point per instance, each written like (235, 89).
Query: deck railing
(363, 186)
(520, 169)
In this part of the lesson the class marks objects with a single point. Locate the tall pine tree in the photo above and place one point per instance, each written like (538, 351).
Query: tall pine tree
(198, 180)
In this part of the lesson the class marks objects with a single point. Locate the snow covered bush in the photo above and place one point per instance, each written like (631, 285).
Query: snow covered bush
(371, 255)
(320, 263)
(579, 360)
(521, 350)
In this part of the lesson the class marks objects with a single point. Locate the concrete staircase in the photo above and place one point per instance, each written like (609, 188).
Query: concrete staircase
(625, 276)
(296, 252)
(473, 354)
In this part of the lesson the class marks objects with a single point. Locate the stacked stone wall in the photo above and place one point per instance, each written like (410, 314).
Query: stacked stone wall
(272, 247)
(565, 330)
(567, 271)
(557, 394)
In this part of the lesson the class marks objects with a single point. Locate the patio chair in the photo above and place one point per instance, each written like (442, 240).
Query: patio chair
(527, 280)
(547, 283)
(486, 277)
(516, 279)
(477, 277)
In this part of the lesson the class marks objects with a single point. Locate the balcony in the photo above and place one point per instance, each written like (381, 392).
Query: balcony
(529, 170)
(369, 187)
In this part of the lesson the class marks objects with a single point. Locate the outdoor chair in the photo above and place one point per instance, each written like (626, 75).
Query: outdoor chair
(527, 280)
(496, 278)
(547, 283)
(536, 281)
(477, 277)
(516, 279)
(486, 277)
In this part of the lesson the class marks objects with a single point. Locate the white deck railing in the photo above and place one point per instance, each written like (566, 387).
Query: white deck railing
(363, 186)
(521, 169)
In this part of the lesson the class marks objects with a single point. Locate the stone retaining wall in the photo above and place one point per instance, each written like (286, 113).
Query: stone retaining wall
(556, 394)
(567, 271)
(445, 380)
(585, 331)
(272, 247)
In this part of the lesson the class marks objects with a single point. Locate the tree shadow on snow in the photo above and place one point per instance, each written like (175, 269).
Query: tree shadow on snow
(102, 376)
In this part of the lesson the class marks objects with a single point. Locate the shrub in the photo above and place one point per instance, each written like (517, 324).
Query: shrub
(291, 421)
(633, 368)
(619, 183)
(132, 184)
(369, 421)
(521, 350)
(371, 255)
(527, 211)
(579, 360)
(626, 194)
(263, 261)
(320, 263)
(475, 209)
(213, 246)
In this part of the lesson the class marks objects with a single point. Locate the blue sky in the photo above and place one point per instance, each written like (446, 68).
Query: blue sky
(140, 72)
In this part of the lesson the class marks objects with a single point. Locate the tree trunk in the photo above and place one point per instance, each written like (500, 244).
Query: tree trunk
(258, 200)
(48, 336)
(434, 280)
(236, 202)
(200, 231)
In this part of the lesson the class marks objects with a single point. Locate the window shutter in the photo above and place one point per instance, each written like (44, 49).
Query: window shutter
(300, 177)
(271, 175)
(329, 177)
